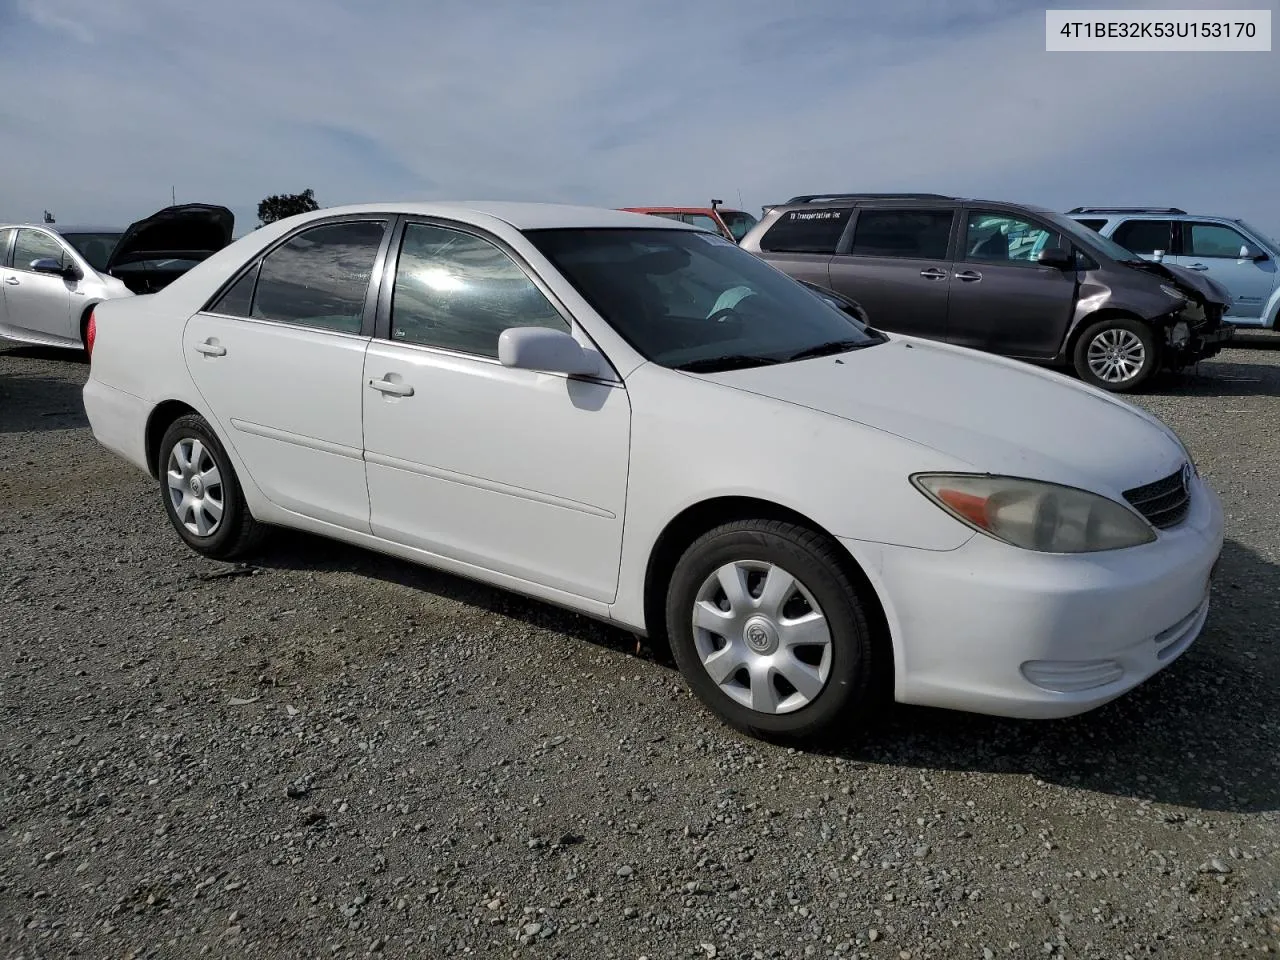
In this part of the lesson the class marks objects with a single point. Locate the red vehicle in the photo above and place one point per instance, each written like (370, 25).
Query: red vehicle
(730, 224)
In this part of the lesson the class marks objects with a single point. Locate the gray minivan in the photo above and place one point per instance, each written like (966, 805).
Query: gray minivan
(1007, 278)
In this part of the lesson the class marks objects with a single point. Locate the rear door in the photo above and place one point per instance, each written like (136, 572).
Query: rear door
(802, 242)
(1227, 256)
(1146, 236)
(279, 357)
(896, 265)
(1002, 299)
(39, 303)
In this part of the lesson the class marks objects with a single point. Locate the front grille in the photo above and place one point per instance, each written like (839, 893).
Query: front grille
(1165, 502)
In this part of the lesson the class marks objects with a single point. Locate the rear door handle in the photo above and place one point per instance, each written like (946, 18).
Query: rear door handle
(391, 387)
(933, 273)
(12, 281)
(969, 276)
(211, 349)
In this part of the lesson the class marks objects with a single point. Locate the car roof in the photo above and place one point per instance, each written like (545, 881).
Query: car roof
(63, 228)
(820, 201)
(1113, 214)
(705, 210)
(518, 214)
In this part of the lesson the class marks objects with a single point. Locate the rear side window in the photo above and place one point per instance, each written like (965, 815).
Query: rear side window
(1145, 236)
(805, 231)
(1095, 225)
(5, 236)
(319, 278)
(911, 234)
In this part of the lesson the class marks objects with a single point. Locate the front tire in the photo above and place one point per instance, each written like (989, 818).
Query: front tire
(769, 631)
(202, 496)
(1118, 354)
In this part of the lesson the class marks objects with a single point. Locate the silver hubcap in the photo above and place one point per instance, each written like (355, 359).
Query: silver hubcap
(195, 487)
(762, 637)
(1116, 355)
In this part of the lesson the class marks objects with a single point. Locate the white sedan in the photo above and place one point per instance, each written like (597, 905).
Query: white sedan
(646, 424)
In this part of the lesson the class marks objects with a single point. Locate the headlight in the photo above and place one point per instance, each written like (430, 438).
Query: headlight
(1034, 515)
(1173, 292)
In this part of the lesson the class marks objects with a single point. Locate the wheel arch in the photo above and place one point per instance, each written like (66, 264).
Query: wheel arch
(1089, 319)
(695, 520)
(164, 414)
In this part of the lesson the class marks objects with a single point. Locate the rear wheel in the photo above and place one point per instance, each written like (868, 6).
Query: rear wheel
(202, 496)
(1117, 354)
(769, 631)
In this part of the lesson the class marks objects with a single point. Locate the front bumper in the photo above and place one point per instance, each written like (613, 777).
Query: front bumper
(989, 628)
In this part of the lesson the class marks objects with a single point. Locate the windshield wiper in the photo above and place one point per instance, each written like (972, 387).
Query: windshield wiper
(826, 349)
(733, 361)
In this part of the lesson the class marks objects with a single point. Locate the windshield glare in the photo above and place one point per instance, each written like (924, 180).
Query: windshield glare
(94, 247)
(678, 296)
(1091, 239)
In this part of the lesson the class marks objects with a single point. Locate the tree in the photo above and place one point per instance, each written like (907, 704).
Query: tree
(286, 205)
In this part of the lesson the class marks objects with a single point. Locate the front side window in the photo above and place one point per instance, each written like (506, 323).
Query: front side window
(1145, 236)
(457, 291)
(35, 245)
(94, 247)
(1214, 240)
(805, 231)
(1092, 224)
(701, 221)
(910, 234)
(738, 222)
(997, 238)
(318, 278)
(697, 302)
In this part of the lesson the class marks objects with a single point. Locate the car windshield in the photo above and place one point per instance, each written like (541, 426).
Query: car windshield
(1090, 239)
(696, 301)
(739, 223)
(94, 247)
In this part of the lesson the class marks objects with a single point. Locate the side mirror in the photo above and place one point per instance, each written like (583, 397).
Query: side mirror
(546, 351)
(1056, 257)
(1249, 253)
(53, 267)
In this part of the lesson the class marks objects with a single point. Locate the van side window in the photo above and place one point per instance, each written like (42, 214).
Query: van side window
(909, 234)
(806, 231)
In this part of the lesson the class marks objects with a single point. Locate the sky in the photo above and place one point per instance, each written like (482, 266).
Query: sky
(110, 104)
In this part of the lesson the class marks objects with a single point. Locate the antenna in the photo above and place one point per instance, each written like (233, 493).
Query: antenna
(739, 198)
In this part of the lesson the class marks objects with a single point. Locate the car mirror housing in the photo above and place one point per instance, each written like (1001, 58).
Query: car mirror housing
(1056, 257)
(546, 351)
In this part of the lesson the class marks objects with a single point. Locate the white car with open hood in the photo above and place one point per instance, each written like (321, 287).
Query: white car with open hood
(642, 422)
(52, 276)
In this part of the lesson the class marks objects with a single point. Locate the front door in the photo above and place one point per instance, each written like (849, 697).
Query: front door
(513, 471)
(1227, 256)
(897, 269)
(1002, 299)
(39, 303)
(279, 359)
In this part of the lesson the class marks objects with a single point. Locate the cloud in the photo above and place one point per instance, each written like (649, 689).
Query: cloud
(630, 102)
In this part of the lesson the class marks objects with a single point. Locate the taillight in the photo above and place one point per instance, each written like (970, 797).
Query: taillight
(90, 331)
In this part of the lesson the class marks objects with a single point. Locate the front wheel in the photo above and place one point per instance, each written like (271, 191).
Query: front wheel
(770, 633)
(1118, 354)
(202, 496)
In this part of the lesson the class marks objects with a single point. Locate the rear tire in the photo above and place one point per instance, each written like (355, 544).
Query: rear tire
(1118, 354)
(789, 658)
(202, 496)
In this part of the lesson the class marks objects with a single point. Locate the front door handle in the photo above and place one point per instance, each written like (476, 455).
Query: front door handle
(933, 273)
(969, 276)
(392, 387)
(1197, 266)
(210, 349)
(12, 281)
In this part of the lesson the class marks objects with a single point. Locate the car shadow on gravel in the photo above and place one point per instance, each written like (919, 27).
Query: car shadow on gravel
(1218, 378)
(1201, 734)
(31, 404)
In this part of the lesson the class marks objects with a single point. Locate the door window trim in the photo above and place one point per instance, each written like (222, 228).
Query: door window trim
(369, 317)
(962, 250)
(382, 325)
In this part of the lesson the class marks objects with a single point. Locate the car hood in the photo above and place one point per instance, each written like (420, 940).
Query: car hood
(1196, 284)
(995, 415)
(188, 231)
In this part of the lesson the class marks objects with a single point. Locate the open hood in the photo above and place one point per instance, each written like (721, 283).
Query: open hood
(188, 231)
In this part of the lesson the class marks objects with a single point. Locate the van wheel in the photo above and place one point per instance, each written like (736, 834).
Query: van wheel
(770, 633)
(1118, 354)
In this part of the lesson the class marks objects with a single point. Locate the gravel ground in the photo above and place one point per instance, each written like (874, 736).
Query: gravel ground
(334, 753)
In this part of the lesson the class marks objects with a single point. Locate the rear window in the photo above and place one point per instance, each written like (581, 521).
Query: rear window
(805, 231)
(1145, 236)
(911, 234)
